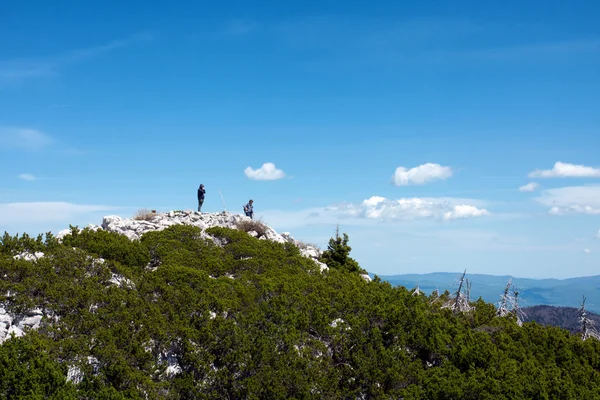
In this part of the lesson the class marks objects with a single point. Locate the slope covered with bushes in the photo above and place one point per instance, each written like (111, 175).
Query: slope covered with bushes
(178, 316)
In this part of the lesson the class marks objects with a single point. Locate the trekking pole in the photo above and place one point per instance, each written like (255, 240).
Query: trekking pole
(224, 206)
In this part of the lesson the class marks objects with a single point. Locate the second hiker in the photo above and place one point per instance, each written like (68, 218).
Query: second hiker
(248, 209)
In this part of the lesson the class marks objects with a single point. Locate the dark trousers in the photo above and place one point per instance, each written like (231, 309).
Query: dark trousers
(200, 202)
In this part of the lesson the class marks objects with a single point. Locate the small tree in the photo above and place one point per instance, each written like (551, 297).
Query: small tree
(337, 254)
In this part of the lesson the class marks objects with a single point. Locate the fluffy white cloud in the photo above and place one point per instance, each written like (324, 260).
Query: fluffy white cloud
(421, 174)
(530, 187)
(29, 139)
(380, 208)
(465, 211)
(572, 200)
(566, 170)
(588, 251)
(27, 177)
(268, 172)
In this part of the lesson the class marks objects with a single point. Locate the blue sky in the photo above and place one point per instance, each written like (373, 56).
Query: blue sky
(416, 127)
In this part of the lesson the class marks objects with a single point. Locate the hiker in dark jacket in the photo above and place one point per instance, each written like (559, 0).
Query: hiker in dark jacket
(201, 193)
(248, 209)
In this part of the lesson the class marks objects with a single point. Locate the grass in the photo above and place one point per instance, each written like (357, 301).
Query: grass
(143, 214)
(257, 226)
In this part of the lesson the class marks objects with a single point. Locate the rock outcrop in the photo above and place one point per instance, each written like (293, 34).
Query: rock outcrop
(134, 229)
(19, 324)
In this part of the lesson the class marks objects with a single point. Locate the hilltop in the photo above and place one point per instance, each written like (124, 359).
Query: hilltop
(211, 306)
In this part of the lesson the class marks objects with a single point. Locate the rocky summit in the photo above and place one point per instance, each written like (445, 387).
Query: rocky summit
(135, 228)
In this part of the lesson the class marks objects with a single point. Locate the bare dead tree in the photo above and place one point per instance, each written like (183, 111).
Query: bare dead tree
(518, 313)
(460, 301)
(435, 296)
(416, 291)
(588, 328)
(469, 284)
(503, 305)
(509, 304)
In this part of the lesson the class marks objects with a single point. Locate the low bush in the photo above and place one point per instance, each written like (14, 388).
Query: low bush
(108, 245)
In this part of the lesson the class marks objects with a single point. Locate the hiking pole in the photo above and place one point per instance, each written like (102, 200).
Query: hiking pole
(224, 206)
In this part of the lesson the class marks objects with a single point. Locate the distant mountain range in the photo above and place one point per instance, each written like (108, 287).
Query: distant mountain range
(564, 317)
(532, 292)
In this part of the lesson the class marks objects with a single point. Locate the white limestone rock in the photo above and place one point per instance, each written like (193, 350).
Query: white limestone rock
(121, 281)
(74, 374)
(61, 234)
(18, 325)
(322, 266)
(5, 324)
(310, 252)
(31, 319)
(28, 256)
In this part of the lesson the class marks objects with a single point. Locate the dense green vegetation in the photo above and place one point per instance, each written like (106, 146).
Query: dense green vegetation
(254, 319)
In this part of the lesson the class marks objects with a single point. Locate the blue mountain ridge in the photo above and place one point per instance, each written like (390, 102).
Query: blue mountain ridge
(532, 292)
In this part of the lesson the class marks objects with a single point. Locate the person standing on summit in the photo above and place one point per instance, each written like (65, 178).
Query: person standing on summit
(248, 210)
(201, 193)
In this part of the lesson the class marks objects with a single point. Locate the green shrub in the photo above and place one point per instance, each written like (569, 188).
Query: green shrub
(108, 245)
(183, 245)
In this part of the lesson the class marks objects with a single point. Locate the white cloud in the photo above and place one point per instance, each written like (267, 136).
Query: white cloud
(268, 172)
(566, 170)
(572, 200)
(23, 138)
(587, 251)
(46, 212)
(574, 209)
(380, 208)
(421, 174)
(465, 211)
(530, 187)
(27, 177)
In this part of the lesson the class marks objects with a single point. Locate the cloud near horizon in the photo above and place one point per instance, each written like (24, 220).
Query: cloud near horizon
(268, 172)
(421, 174)
(566, 170)
(530, 187)
(28, 213)
(24, 138)
(572, 200)
(380, 208)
